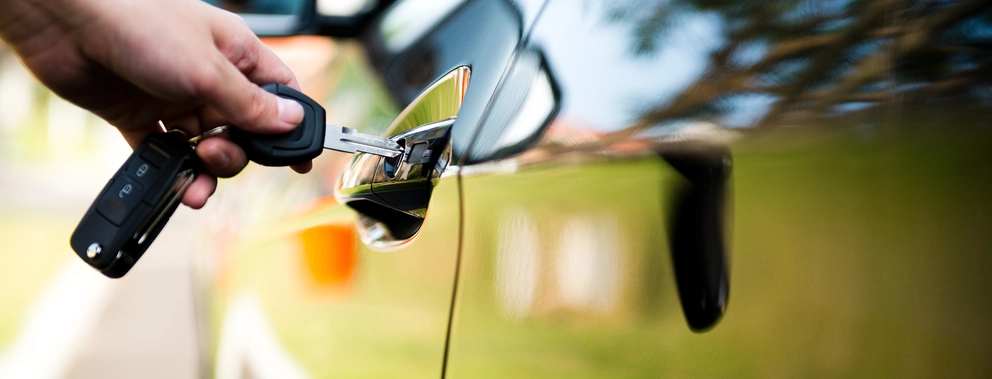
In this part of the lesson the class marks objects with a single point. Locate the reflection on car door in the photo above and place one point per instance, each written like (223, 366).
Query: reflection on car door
(860, 214)
(300, 293)
(292, 299)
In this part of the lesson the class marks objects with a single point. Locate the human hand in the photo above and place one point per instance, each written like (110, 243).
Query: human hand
(134, 63)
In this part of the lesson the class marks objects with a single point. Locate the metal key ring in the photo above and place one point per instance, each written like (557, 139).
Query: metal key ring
(207, 134)
(181, 131)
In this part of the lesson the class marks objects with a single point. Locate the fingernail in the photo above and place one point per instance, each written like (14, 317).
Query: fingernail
(290, 111)
(221, 159)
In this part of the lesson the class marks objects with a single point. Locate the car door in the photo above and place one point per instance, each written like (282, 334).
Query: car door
(303, 284)
(839, 151)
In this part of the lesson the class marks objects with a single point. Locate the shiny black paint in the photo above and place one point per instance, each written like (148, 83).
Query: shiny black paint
(480, 34)
(859, 138)
(489, 37)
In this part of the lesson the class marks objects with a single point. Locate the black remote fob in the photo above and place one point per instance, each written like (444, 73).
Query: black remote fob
(136, 204)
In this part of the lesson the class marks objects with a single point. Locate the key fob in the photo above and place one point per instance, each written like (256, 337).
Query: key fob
(300, 145)
(136, 204)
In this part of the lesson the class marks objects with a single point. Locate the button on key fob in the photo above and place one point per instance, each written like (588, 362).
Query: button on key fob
(136, 204)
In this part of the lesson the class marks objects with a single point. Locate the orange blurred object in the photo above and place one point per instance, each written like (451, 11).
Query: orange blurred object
(329, 254)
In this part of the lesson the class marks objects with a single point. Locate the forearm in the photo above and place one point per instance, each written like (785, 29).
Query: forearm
(24, 24)
(141, 63)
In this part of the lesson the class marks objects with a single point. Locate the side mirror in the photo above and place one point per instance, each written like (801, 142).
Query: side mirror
(697, 231)
(277, 18)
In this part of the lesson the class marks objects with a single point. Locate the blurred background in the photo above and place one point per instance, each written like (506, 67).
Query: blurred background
(860, 214)
(58, 317)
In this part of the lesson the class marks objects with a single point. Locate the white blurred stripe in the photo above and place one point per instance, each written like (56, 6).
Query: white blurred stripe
(56, 324)
(16, 95)
(247, 342)
(341, 8)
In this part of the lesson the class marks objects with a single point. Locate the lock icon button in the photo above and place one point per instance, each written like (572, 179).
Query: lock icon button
(119, 199)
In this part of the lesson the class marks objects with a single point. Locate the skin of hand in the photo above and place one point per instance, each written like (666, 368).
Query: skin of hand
(135, 63)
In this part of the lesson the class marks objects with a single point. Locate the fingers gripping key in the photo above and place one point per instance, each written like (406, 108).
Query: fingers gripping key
(308, 140)
(139, 200)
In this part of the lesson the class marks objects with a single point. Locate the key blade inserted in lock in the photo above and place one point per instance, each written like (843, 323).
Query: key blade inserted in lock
(348, 140)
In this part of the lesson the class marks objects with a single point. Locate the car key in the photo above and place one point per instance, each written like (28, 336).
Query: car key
(310, 138)
(136, 204)
(138, 201)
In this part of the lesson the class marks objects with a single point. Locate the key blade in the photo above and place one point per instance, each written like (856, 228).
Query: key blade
(348, 140)
(176, 190)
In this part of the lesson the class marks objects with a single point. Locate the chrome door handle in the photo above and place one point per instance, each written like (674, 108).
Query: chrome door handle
(391, 195)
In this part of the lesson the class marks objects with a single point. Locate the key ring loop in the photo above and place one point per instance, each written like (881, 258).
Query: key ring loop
(207, 134)
(181, 131)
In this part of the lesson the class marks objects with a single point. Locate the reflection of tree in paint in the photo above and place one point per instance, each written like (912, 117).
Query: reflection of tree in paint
(814, 61)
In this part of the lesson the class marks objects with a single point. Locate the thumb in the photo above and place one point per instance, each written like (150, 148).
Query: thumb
(246, 105)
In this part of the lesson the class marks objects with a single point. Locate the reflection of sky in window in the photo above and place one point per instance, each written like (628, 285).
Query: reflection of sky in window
(609, 72)
(745, 109)
(813, 9)
(851, 107)
(750, 53)
(606, 85)
(975, 29)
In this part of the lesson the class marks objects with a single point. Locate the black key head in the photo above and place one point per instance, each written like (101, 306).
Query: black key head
(304, 143)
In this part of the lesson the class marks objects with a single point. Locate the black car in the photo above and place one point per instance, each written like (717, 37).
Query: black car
(578, 176)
